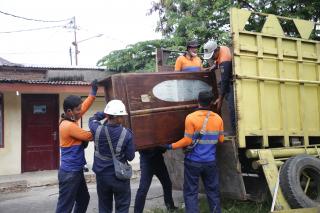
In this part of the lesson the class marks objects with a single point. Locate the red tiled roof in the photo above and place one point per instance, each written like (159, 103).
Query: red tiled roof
(76, 83)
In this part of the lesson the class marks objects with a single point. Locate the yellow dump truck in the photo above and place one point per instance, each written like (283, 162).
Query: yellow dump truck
(276, 70)
(277, 78)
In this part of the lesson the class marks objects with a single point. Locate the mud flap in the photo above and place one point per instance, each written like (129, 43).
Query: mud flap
(231, 180)
(174, 162)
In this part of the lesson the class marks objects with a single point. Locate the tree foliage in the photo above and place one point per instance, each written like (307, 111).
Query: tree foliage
(206, 19)
(302, 9)
(182, 20)
(139, 56)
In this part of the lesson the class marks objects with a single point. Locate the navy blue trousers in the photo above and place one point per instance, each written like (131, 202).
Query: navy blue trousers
(232, 113)
(108, 186)
(226, 87)
(148, 169)
(73, 192)
(209, 175)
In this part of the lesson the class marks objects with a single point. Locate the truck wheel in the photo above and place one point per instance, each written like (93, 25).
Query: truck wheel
(300, 181)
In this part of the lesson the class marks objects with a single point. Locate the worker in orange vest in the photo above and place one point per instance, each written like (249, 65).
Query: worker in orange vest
(73, 190)
(189, 61)
(203, 130)
(220, 57)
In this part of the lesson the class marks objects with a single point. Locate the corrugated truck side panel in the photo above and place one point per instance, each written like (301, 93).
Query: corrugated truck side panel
(277, 80)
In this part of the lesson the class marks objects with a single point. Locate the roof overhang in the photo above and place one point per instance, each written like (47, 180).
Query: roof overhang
(46, 88)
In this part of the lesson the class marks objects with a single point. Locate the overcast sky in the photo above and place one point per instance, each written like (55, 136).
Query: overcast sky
(121, 22)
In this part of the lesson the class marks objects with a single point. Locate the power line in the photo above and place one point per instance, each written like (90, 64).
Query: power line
(33, 29)
(31, 52)
(31, 19)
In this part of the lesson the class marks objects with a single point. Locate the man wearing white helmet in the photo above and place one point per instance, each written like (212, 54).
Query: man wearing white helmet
(108, 185)
(220, 57)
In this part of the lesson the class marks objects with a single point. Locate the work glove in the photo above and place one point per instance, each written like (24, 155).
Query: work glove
(94, 87)
(161, 148)
(165, 147)
(85, 144)
(100, 116)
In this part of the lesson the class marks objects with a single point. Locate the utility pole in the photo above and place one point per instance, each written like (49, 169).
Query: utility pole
(75, 43)
(70, 53)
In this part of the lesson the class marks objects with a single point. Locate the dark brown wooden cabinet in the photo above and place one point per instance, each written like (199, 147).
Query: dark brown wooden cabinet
(157, 103)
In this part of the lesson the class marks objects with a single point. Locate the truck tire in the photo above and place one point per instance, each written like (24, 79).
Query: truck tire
(294, 176)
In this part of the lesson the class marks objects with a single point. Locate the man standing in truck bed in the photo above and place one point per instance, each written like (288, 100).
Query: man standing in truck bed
(189, 61)
(221, 56)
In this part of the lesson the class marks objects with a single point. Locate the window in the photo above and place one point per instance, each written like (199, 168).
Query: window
(1, 121)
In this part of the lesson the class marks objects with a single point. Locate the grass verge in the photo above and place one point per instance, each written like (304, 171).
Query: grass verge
(228, 206)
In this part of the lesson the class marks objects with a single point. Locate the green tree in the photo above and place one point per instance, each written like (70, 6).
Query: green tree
(302, 9)
(136, 57)
(206, 19)
(183, 20)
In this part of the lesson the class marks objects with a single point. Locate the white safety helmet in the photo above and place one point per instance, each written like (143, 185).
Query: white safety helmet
(115, 107)
(209, 49)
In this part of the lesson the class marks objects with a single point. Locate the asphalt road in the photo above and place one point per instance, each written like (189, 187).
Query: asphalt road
(44, 199)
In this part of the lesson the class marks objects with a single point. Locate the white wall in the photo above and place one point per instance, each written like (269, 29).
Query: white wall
(10, 155)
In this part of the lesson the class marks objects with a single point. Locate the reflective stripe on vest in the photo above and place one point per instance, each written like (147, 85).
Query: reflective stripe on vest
(209, 137)
(118, 148)
(96, 145)
(187, 135)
